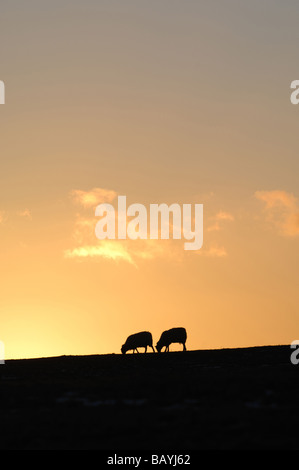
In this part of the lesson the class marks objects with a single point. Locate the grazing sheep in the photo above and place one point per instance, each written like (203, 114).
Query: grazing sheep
(175, 335)
(142, 339)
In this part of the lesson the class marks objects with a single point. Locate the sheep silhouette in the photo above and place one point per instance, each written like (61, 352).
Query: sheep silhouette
(174, 335)
(142, 339)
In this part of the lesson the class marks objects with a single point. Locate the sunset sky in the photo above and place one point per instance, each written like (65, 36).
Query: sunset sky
(163, 101)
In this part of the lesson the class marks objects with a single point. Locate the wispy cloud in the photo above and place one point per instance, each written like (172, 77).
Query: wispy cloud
(126, 250)
(13, 216)
(224, 216)
(277, 198)
(214, 251)
(25, 213)
(216, 220)
(92, 197)
(105, 249)
(281, 210)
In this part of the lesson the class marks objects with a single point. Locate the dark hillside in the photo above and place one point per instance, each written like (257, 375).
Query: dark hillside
(217, 399)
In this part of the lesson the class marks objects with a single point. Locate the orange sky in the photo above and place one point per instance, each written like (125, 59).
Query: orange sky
(163, 102)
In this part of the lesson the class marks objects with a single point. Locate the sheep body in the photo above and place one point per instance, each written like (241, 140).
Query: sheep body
(142, 339)
(174, 335)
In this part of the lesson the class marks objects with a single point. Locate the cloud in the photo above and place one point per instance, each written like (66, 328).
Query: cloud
(84, 229)
(106, 249)
(282, 211)
(218, 218)
(224, 216)
(25, 213)
(213, 251)
(92, 197)
(5, 216)
(277, 199)
(126, 250)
